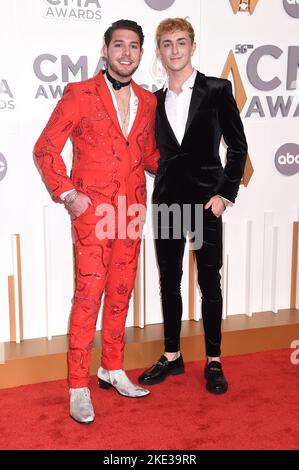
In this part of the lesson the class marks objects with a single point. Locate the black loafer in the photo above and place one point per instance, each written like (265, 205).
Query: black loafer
(216, 382)
(162, 369)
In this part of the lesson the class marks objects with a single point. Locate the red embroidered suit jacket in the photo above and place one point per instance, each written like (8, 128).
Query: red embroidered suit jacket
(105, 163)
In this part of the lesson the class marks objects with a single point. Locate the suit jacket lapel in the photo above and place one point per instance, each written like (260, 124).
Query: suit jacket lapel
(107, 99)
(197, 97)
(161, 95)
(136, 122)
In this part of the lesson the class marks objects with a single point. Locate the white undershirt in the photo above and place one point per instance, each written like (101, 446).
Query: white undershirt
(133, 104)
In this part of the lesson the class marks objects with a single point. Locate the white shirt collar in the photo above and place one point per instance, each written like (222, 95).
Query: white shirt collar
(188, 83)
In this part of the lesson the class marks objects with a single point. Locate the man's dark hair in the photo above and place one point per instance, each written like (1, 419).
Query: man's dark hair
(124, 24)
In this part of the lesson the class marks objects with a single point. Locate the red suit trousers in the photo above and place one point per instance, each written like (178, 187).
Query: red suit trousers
(107, 266)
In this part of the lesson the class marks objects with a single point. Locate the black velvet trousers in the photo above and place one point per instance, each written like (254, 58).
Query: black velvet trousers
(170, 254)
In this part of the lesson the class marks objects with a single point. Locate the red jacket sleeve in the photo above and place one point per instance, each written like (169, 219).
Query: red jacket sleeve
(152, 154)
(47, 150)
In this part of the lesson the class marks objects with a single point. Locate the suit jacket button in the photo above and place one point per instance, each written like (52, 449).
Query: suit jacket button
(127, 143)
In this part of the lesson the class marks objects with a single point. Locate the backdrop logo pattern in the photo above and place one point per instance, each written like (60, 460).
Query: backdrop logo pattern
(292, 7)
(287, 159)
(157, 71)
(243, 5)
(6, 96)
(159, 5)
(79, 10)
(3, 166)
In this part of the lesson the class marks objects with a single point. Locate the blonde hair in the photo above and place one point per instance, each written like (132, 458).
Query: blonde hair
(172, 25)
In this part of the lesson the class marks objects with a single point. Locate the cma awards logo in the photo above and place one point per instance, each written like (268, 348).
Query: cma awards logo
(49, 69)
(3, 166)
(159, 5)
(86, 10)
(292, 7)
(7, 102)
(275, 105)
(287, 159)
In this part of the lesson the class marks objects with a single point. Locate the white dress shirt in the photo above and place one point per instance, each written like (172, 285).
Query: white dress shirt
(177, 106)
(133, 104)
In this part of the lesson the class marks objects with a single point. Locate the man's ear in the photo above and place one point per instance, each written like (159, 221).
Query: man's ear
(193, 47)
(104, 50)
(158, 52)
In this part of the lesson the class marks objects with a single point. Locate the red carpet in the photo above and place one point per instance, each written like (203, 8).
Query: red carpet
(260, 411)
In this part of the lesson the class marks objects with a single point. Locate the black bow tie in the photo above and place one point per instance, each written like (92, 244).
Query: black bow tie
(117, 85)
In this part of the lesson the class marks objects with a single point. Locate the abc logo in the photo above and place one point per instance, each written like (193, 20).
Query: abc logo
(159, 4)
(292, 7)
(3, 166)
(287, 159)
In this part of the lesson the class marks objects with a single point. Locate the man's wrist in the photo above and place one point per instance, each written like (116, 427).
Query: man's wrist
(225, 202)
(71, 197)
(65, 193)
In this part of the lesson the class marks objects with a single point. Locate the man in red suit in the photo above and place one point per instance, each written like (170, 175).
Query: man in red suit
(110, 120)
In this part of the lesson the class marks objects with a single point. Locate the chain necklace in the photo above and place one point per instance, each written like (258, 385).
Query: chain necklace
(124, 111)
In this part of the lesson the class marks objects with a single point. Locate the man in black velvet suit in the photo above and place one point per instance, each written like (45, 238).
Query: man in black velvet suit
(193, 113)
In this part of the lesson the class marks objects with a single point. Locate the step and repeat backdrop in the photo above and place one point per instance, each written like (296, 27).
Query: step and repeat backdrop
(47, 43)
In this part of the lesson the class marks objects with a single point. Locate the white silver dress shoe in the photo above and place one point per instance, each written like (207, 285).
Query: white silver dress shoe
(81, 408)
(119, 380)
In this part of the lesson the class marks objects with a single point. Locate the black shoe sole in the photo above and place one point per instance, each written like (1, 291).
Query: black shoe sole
(158, 380)
(215, 391)
(106, 386)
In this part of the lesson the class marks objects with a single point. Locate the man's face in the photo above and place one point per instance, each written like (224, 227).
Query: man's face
(123, 53)
(175, 50)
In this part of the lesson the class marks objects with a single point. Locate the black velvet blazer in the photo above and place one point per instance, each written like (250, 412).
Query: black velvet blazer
(192, 171)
